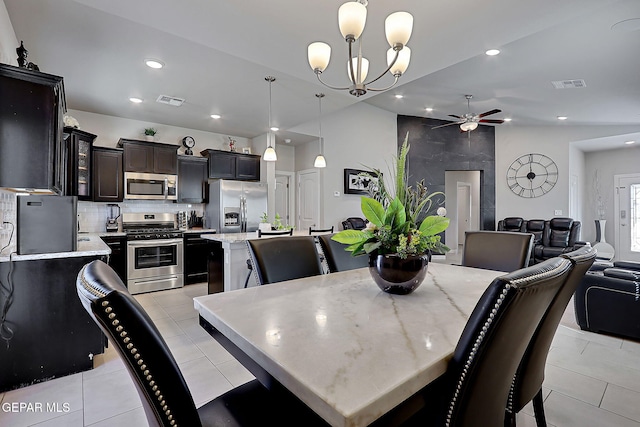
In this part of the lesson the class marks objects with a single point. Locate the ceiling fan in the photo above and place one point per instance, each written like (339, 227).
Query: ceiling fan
(469, 121)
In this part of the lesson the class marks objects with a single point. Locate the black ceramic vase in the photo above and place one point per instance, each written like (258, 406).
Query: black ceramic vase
(398, 276)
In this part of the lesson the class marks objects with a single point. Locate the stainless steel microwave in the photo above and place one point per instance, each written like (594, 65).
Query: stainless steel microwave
(150, 186)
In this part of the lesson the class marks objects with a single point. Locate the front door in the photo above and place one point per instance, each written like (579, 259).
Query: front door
(308, 199)
(627, 217)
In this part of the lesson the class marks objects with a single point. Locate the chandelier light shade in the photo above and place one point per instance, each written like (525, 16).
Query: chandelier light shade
(320, 161)
(468, 126)
(270, 153)
(352, 17)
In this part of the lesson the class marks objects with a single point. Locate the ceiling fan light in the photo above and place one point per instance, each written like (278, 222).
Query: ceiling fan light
(270, 154)
(364, 70)
(352, 17)
(468, 126)
(320, 162)
(398, 27)
(319, 54)
(402, 63)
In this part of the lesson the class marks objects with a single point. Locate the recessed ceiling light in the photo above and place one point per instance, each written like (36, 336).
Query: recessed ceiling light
(399, 96)
(507, 119)
(135, 100)
(275, 129)
(562, 117)
(492, 52)
(154, 63)
(215, 116)
(428, 109)
(629, 142)
(287, 140)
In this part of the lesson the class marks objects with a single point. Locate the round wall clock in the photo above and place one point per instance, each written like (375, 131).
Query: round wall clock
(532, 175)
(189, 142)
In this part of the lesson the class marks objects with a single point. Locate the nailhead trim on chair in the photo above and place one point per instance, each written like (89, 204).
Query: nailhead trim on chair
(130, 346)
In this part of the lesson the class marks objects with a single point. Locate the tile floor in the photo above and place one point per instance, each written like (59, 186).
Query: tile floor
(591, 380)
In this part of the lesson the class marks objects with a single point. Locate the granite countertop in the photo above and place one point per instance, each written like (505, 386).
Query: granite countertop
(89, 244)
(199, 230)
(242, 237)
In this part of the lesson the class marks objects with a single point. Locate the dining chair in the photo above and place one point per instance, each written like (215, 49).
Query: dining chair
(527, 383)
(313, 231)
(164, 393)
(284, 258)
(475, 387)
(288, 232)
(497, 250)
(337, 258)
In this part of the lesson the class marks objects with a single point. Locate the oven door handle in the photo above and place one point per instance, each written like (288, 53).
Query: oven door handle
(154, 242)
(166, 188)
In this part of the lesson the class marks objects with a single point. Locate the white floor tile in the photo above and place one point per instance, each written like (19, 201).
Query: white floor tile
(526, 420)
(192, 328)
(183, 349)
(235, 372)
(622, 401)
(168, 327)
(213, 350)
(563, 411)
(195, 290)
(181, 312)
(172, 297)
(105, 363)
(155, 311)
(52, 396)
(204, 380)
(72, 419)
(591, 336)
(106, 396)
(581, 387)
(568, 340)
(633, 346)
(134, 418)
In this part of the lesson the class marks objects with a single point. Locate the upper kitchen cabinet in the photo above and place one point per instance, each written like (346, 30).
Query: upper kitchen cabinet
(32, 152)
(229, 165)
(79, 146)
(107, 178)
(192, 179)
(149, 157)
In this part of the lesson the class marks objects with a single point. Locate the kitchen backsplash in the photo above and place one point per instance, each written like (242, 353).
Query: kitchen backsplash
(7, 214)
(92, 216)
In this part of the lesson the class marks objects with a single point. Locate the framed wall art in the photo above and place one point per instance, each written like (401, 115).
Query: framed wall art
(358, 181)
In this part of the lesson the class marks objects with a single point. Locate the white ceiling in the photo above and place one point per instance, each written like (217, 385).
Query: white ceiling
(217, 53)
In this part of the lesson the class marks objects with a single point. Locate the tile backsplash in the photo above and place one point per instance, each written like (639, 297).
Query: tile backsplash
(7, 214)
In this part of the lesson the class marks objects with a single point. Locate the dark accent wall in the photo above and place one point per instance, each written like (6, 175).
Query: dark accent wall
(434, 151)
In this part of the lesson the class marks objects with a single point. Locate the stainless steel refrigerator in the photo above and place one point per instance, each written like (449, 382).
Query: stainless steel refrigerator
(235, 206)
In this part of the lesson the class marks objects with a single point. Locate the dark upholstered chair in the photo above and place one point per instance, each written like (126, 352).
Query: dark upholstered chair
(337, 258)
(560, 235)
(354, 223)
(608, 300)
(313, 231)
(474, 390)
(261, 233)
(527, 383)
(511, 224)
(284, 258)
(164, 393)
(497, 250)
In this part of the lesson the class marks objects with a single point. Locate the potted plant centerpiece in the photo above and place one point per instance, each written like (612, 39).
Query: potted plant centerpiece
(400, 234)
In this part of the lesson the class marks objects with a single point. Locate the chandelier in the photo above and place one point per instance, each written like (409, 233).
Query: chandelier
(320, 161)
(352, 17)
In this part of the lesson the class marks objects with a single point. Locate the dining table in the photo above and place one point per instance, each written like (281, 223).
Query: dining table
(348, 350)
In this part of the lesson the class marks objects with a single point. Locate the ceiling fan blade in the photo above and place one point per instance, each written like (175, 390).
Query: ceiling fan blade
(448, 124)
(453, 115)
(497, 121)
(488, 113)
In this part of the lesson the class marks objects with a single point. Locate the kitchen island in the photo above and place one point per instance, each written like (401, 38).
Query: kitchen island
(47, 333)
(228, 256)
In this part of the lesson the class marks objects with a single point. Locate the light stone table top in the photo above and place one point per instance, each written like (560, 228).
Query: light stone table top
(348, 350)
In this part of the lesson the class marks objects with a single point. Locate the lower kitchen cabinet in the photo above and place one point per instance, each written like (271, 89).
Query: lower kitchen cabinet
(51, 333)
(215, 267)
(118, 257)
(195, 258)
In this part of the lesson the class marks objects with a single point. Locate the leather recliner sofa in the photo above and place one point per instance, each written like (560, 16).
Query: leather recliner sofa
(551, 237)
(609, 300)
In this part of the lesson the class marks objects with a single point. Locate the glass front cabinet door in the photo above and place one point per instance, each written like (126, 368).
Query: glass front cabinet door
(79, 146)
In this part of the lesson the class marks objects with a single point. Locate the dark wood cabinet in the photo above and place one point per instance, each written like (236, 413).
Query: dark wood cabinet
(149, 157)
(193, 174)
(195, 258)
(79, 145)
(118, 257)
(229, 165)
(32, 152)
(107, 177)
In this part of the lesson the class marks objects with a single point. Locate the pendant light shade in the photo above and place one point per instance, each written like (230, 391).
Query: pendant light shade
(352, 17)
(319, 54)
(320, 161)
(468, 126)
(402, 63)
(398, 27)
(270, 153)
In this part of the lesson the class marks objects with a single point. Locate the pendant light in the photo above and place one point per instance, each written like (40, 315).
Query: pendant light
(270, 153)
(320, 161)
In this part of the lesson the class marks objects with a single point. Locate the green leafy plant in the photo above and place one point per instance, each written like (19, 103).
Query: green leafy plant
(397, 215)
(264, 218)
(150, 131)
(278, 225)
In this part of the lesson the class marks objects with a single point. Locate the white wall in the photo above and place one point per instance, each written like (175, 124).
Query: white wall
(286, 157)
(554, 142)
(110, 129)
(8, 40)
(356, 137)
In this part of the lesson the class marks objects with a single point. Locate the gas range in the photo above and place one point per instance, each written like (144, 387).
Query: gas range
(150, 226)
(153, 233)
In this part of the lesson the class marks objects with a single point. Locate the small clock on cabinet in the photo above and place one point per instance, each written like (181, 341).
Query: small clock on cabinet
(189, 142)
(532, 175)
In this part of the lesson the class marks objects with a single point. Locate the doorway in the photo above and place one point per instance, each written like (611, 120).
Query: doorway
(627, 216)
(285, 195)
(464, 210)
(308, 199)
(462, 200)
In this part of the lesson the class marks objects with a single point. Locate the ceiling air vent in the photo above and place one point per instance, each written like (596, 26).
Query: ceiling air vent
(170, 100)
(569, 84)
